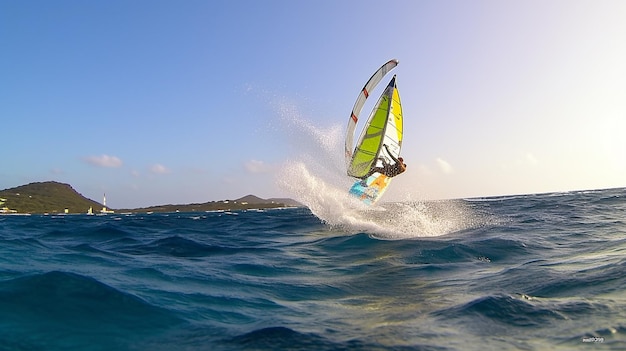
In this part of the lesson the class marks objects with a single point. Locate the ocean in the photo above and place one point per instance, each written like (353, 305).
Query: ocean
(533, 272)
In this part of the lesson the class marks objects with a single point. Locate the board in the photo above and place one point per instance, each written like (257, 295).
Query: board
(370, 190)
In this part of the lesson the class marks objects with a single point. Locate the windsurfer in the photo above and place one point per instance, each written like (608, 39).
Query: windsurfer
(388, 169)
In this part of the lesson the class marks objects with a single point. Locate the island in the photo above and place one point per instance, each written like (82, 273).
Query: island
(55, 197)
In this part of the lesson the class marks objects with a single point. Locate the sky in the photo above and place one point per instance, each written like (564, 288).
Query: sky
(157, 102)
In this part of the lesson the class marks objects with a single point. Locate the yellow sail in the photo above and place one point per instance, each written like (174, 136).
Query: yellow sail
(356, 110)
(383, 127)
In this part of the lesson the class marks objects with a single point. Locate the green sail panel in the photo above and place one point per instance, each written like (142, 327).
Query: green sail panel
(368, 149)
(358, 105)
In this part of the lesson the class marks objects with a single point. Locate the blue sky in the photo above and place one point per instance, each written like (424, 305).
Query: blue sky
(158, 102)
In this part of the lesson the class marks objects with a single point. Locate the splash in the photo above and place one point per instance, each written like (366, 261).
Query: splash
(316, 177)
(331, 203)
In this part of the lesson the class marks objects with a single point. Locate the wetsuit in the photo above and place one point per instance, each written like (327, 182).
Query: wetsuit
(390, 170)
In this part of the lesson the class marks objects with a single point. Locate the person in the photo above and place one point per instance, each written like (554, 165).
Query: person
(388, 169)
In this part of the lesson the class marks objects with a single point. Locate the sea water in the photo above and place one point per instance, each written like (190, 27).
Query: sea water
(533, 272)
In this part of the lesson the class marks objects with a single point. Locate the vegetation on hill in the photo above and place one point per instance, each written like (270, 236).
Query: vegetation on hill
(245, 203)
(45, 197)
(287, 202)
(54, 197)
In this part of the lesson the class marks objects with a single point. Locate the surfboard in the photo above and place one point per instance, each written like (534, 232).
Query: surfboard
(383, 127)
(371, 189)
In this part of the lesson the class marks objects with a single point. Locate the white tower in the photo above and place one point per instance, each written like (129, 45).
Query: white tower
(104, 204)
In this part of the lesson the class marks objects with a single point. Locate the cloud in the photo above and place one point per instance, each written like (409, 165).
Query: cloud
(159, 169)
(445, 167)
(256, 166)
(104, 161)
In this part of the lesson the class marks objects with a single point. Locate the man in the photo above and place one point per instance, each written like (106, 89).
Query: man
(390, 170)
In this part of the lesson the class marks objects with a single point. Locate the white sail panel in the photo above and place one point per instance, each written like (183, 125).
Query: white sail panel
(372, 137)
(393, 131)
(358, 105)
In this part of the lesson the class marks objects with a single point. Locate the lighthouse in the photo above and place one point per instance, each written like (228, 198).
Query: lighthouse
(104, 204)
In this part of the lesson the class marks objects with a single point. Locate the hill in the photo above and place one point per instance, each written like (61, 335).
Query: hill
(245, 203)
(251, 199)
(45, 197)
(286, 201)
(55, 197)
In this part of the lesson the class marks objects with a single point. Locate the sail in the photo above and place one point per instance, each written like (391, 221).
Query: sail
(393, 134)
(383, 127)
(358, 105)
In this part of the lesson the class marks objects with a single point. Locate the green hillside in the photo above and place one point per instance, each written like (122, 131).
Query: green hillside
(54, 197)
(245, 203)
(46, 197)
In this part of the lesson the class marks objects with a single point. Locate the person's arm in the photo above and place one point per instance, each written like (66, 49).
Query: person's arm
(389, 152)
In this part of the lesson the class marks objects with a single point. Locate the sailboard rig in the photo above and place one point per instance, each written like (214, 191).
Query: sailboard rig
(383, 127)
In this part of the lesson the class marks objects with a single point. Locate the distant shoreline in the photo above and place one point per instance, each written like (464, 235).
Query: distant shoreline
(58, 198)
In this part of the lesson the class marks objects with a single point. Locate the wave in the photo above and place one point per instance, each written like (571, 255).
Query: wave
(70, 297)
(604, 279)
(61, 310)
(495, 315)
(502, 310)
(177, 246)
(102, 231)
(283, 338)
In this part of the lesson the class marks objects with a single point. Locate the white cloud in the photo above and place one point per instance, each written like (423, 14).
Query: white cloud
(104, 161)
(159, 169)
(445, 167)
(256, 166)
